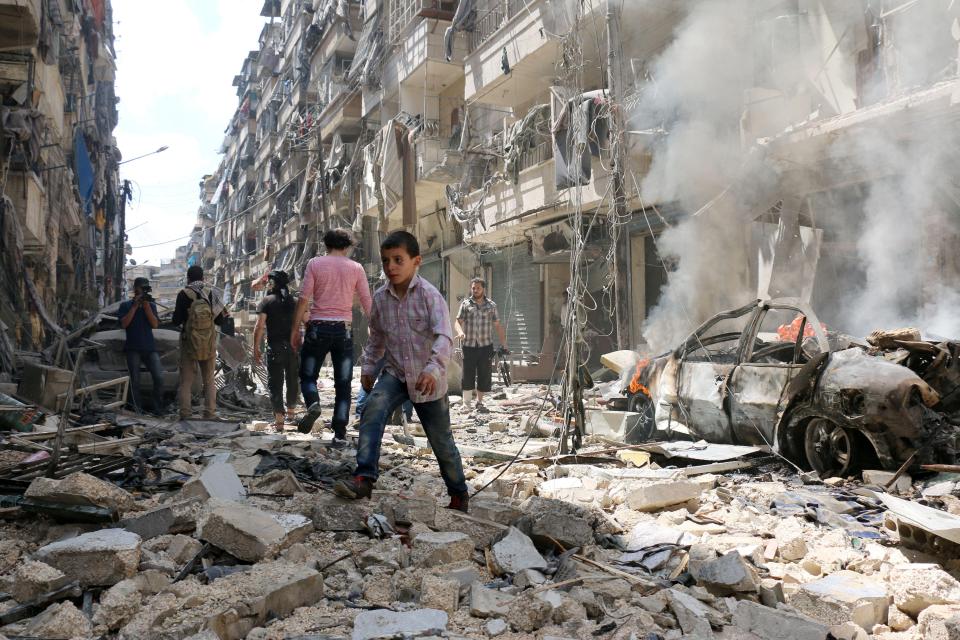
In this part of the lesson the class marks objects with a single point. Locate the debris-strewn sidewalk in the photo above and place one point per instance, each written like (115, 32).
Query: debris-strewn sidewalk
(228, 529)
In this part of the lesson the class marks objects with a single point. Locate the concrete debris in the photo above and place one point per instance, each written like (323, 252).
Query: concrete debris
(218, 480)
(917, 586)
(516, 552)
(440, 593)
(331, 513)
(279, 482)
(99, 558)
(728, 574)
(495, 627)
(776, 624)
(81, 489)
(487, 603)
(844, 596)
(248, 533)
(654, 497)
(60, 621)
(373, 625)
(33, 579)
(442, 547)
(939, 622)
(527, 614)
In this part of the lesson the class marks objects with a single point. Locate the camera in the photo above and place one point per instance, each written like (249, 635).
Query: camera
(145, 293)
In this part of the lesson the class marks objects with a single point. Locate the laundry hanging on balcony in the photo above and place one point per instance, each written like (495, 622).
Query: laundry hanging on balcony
(525, 135)
(463, 20)
(84, 169)
(579, 131)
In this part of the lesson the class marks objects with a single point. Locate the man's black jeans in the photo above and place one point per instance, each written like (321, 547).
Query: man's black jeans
(335, 338)
(151, 359)
(282, 367)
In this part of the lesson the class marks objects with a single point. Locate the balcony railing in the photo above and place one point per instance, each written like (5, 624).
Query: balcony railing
(537, 155)
(491, 15)
(402, 12)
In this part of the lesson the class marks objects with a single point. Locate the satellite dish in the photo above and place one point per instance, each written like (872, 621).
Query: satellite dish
(133, 262)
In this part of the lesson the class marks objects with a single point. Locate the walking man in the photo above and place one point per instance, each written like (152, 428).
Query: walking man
(275, 314)
(410, 326)
(197, 311)
(330, 283)
(139, 317)
(476, 320)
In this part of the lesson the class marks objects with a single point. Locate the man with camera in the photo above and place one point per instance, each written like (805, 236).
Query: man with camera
(139, 318)
(474, 328)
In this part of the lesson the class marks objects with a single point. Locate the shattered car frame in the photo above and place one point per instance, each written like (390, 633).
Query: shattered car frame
(815, 399)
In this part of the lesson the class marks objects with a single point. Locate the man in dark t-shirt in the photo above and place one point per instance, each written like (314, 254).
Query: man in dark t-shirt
(275, 314)
(139, 317)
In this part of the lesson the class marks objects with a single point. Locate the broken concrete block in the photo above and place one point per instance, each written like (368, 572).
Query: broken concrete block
(80, 489)
(495, 511)
(182, 549)
(118, 604)
(565, 608)
(465, 576)
(653, 497)
(98, 558)
(776, 624)
(516, 552)
(379, 589)
(849, 631)
(440, 593)
(389, 553)
(547, 529)
(771, 592)
(441, 547)
(495, 627)
(728, 574)
(279, 482)
(897, 620)
(529, 578)
(880, 478)
(528, 614)
(59, 621)
(497, 426)
(381, 623)
(939, 622)
(791, 540)
(248, 533)
(173, 517)
(336, 514)
(693, 616)
(33, 579)
(918, 586)
(487, 603)
(620, 361)
(482, 532)
(844, 596)
(218, 480)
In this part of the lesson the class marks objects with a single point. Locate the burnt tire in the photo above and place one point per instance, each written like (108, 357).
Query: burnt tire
(833, 450)
(643, 428)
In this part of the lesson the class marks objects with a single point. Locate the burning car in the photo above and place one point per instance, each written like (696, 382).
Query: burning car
(769, 374)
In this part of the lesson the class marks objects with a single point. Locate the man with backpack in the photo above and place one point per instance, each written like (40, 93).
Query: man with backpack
(197, 312)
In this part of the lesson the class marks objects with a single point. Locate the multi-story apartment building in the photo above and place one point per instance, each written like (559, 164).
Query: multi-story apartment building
(624, 157)
(61, 200)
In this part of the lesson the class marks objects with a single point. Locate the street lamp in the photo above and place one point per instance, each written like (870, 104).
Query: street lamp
(161, 149)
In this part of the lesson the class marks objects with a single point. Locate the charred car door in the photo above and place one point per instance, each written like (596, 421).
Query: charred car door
(773, 354)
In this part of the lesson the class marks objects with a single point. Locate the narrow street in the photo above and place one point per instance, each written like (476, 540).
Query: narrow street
(470, 319)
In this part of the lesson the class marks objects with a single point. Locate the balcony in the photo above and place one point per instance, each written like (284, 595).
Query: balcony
(403, 12)
(419, 60)
(27, 193)
(439, 163)
(19, 23)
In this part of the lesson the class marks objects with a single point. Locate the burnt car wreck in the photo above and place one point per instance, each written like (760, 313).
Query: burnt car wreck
(769, 373)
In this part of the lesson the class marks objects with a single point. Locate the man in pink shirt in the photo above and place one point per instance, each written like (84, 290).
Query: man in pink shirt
(329, 285)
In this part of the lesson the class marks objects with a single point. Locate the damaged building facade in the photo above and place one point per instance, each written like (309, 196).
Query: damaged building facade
(799, 151)
(61, 200)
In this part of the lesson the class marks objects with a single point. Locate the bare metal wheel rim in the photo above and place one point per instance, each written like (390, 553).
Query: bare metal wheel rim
(828, 446)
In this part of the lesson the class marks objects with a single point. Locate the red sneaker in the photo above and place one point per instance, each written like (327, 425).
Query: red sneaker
(354, 489)
(460, 502)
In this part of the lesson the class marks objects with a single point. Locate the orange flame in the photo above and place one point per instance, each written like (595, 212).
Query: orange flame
(789, 332)
(635, 386)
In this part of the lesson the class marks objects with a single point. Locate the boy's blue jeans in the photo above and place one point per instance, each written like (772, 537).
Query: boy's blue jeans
(388, 394)
(362, 404)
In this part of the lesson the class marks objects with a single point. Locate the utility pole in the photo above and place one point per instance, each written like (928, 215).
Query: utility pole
(615, 88)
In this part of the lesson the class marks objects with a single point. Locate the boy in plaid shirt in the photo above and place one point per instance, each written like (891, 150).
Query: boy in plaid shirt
(410, 326)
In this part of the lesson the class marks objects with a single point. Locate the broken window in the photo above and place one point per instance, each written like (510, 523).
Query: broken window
(718, 340)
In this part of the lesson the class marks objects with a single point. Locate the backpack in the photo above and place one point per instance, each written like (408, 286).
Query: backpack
(200, 335)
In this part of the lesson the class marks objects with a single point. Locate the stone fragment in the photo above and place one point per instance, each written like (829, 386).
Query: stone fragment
(880, 478)
(654, 497)
(495, 511)
(331, 513)
(791, 540)
(771, 592)
(527, 614)
(118, 605)
(495, 627)
(379, 589)
(59, 621)
(692, 615)
(80, 489)
(248, 533)
(279, 482)
(182, 549)
(897, 620)
(487, 603)
(570, 531)
(98, 558)
(844, 596)
(465, 576)
(440, 593)
(567, 609)
(389, 553)
(173, 517)
(918, 586)
(728, 574)
(382, 623)
(218, 480)
(516, 552)
(589, 600)
(849, 631)
(776, 624)
(529, 578)
(441, 547)
(483, 532)
(939, 622)
(33, 579)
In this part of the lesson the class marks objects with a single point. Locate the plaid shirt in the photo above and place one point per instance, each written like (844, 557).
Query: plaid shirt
(413, 333)
(478, 321)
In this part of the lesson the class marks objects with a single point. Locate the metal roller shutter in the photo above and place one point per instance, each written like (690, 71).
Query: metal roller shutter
(515, 287)
(432, 272)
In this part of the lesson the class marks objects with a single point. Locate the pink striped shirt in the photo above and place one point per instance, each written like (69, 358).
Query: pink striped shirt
(331, 281)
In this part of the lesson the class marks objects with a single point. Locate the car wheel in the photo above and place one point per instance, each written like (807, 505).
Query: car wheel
(645, 425)
(831, 450)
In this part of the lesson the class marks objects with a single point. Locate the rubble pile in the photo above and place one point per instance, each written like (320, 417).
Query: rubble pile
(229, 530)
